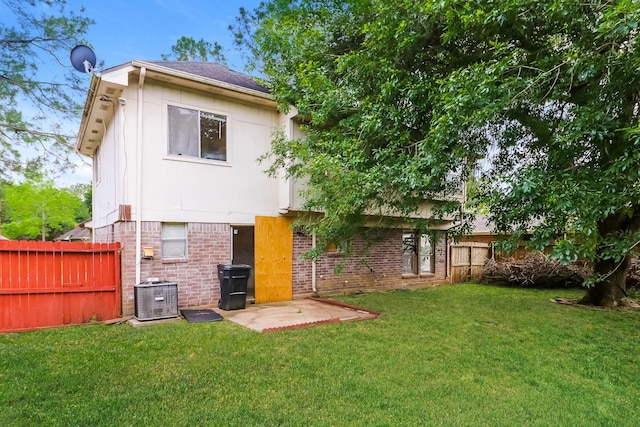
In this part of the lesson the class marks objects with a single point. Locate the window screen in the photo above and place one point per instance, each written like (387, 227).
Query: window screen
(194, 133)
(174, 240)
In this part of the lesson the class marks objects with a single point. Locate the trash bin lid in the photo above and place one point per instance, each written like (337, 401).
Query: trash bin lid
(234, 266)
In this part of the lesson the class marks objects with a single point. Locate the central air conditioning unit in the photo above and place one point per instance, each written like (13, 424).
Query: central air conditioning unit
(156, 300)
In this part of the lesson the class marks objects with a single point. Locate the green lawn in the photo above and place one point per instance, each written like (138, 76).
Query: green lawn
(461, 355)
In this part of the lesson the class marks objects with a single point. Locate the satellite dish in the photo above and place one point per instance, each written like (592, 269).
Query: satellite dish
(83, 58)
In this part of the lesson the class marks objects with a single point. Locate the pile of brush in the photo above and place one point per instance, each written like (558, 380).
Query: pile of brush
(535, 271)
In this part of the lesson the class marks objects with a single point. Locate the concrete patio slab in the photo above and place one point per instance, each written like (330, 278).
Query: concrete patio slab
(296, 314)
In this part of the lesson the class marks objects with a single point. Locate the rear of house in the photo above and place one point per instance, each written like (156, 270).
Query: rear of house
(177, 183)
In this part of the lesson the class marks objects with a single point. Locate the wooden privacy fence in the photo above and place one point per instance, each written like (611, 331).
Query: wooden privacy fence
(467, 260)
(45, 284)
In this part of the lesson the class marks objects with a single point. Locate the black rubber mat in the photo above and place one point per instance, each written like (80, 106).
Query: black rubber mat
(199, 316)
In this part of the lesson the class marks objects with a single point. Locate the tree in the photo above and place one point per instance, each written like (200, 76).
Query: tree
(404, 100)
(84, 193)
(3, 215)
(188, 49)
(36, 38)
(39, 209)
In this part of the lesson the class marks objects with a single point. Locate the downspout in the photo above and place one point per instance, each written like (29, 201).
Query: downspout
(143, 72)
(313, 265)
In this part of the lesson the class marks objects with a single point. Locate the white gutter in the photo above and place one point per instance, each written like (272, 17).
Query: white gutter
(143, 72)
(313, 265)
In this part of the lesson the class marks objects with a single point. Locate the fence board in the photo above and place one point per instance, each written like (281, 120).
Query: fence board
(46, 284)
(467, 260)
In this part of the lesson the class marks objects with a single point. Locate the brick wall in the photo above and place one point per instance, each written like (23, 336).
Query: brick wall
(380, 268)
(197, 276)
(210, 244)
(125, 233)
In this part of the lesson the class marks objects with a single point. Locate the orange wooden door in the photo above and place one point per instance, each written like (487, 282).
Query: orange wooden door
(273, 259)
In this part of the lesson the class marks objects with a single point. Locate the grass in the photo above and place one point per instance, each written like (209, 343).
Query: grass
(460, 355)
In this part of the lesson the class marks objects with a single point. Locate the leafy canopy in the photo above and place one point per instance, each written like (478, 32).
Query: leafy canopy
(404, 100)
(38, 87)
(188, 49)
(37, 209)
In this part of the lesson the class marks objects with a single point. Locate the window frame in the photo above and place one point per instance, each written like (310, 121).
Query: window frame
(172, 239)
(412, 254)
(431, 255)
(410, 266)
(200, 111)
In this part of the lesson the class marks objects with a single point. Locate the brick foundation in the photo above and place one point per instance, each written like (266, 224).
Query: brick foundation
(379, 269)
(210, 244)
(197, 276)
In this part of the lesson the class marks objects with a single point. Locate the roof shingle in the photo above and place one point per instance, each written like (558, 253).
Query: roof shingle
(213, 71)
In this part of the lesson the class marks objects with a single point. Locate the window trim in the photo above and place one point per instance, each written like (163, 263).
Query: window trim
(432, 256)
(412, 253)
(174, 239)
(191, 159)
(418, 235)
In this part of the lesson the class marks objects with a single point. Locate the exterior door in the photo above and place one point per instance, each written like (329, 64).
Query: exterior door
(273, 259)
(242, 244)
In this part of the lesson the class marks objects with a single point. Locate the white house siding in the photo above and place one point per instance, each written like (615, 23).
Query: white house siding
(106, 176)
(196, 190)
(208, 196)
(141, 184)
(114, 165)
(179, 188)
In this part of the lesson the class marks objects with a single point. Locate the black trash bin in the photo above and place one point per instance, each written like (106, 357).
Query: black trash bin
(233, 285)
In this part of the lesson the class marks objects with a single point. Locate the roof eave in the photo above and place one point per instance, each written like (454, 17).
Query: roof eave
(103, 91)
(205, 80)
(115, 80)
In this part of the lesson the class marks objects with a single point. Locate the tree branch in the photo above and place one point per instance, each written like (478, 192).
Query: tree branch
(28, 41)
(17, 129)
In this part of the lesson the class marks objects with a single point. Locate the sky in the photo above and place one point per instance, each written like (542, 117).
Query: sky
(126, 30)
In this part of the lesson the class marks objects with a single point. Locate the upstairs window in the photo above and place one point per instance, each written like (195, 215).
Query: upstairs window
(194, 133)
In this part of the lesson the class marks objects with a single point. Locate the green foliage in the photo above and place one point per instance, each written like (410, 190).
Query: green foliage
(188, 49)
(3, 214)
(84, 193)
(404, 100)
(37, 209)
(36, 37)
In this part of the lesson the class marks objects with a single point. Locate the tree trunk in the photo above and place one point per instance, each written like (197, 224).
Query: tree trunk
(611, 291)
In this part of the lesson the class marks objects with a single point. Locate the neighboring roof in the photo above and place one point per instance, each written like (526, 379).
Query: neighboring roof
(482, 225)
(79, 233)
(214, 71)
